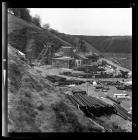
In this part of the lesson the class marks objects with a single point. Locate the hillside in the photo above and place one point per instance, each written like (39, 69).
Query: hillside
(35, 105)
(31, 39)
(26, 36)
(111, 44)
(74, 40)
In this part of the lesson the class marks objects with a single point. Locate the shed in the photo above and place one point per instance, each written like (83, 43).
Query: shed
(66, 51)
(80, 59)
(64, 62)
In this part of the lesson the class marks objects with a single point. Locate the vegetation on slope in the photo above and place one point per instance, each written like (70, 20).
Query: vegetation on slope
(81, 44)
(29, 38)
(35, 105)
(24, 13)
(114, 44)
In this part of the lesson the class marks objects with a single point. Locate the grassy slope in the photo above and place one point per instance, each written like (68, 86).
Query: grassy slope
(35, 105)
(21, 33)
(73, 40)
(114, 44)
(15, 23)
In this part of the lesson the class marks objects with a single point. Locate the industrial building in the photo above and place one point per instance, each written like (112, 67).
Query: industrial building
(65, 62)
(67, 57)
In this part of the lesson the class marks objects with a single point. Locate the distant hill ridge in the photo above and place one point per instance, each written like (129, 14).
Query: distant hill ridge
(111, 44)
(30, 39)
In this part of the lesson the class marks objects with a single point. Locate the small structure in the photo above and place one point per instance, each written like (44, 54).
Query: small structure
(94, 57)
(94, 83)
(130, 74)
(64, 57)
(67, 57)
(80, 60)
(65, 62)
(65, 51)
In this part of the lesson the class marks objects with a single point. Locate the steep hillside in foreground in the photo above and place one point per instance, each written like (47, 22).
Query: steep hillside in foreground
(35, 105)
(112, 44)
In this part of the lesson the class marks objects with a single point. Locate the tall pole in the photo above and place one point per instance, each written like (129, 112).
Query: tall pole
(4, 71)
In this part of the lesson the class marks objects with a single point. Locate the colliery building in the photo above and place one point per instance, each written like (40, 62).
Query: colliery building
(66, 57)
(66, 62)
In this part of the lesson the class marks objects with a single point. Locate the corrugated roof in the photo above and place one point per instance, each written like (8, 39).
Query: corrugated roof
(66, 46)
(63, 58)
(81, 56)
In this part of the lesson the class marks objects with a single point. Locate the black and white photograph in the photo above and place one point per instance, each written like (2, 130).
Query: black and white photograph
(69, 70)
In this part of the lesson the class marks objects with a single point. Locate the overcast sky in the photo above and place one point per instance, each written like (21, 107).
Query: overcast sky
(87, 21)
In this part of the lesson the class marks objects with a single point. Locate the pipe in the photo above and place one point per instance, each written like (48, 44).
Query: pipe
(87, 104)
(91, 103)
(73, 101)
(122, 113)
(99, 101)
(79, 102)
(108, 97)
(91, 99)
(125, 111)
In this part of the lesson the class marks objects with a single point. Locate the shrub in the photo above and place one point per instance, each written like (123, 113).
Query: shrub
(69, 121)
(117, 128)
(14, 75)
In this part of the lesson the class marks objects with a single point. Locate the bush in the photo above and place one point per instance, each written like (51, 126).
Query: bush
(68, 120)
(14, 75)
(36, 20)
(23, 13)
(117, 128)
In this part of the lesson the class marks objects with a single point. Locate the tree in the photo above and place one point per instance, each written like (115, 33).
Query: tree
(23, 13)
(46, 26)
(54, 31)
(82, 46)
(16, 11)
(36, 20)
